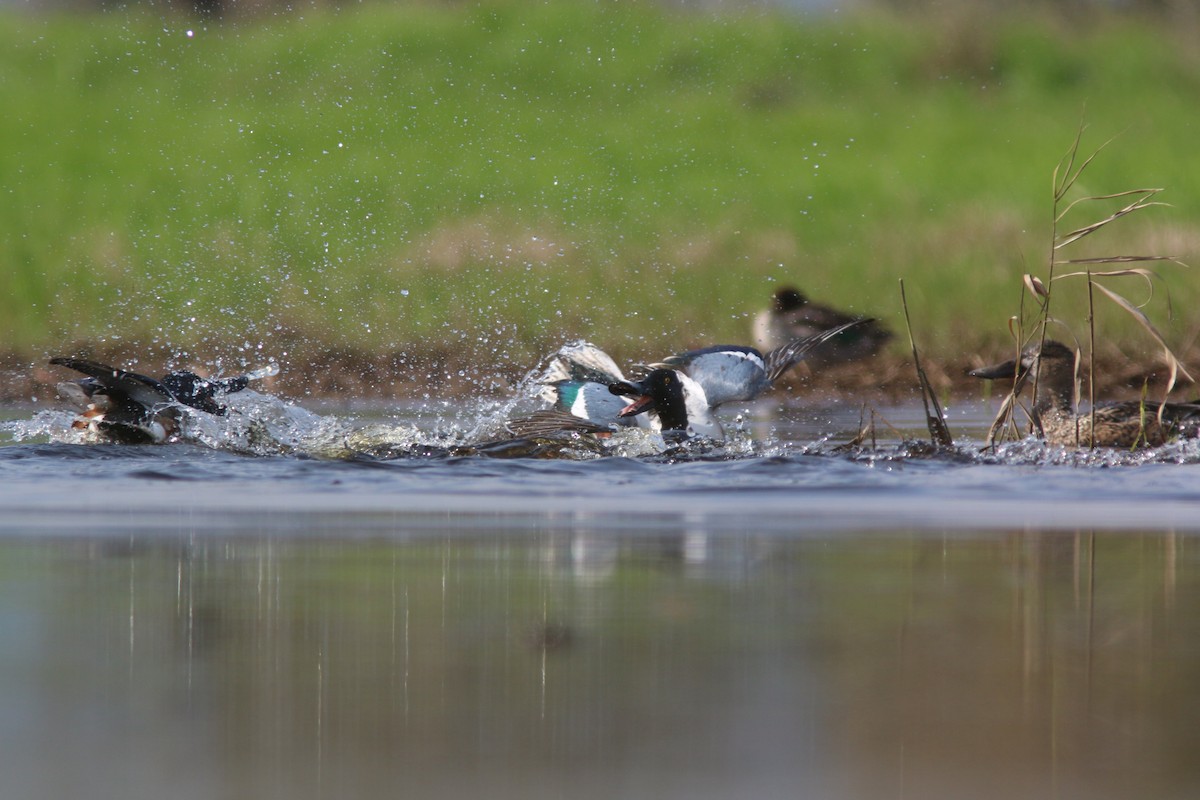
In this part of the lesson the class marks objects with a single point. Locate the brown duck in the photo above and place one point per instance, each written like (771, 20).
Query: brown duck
(1118, 424)
(793, 316)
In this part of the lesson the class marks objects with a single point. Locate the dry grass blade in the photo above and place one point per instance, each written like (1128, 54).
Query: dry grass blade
(1077, 384)
(868, 429)
(1066, 176)
(1118, 260)
(1173, 363)
(1142, 435)
(1086, 230)
(1069, 177)
(864, 430)
(1145, 193)
(1004, 417)
(1144, 274)
(935, 417)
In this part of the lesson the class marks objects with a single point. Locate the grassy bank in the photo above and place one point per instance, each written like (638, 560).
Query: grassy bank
(472, 185)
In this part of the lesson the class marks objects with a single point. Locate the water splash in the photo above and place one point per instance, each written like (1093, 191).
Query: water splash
(49, 425)
(1025, 452)
(259, 424)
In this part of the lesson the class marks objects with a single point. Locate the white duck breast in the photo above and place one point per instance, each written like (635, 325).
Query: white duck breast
(674, 402)
(701, 421)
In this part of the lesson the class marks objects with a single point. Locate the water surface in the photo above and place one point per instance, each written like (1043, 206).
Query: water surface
(790, 620)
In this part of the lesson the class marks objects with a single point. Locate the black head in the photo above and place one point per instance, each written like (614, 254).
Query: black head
(787, 298)
(192, 390)
(661, 391)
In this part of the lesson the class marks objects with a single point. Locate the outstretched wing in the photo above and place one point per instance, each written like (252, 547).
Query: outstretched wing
(118, 383)
(783, 358)
(583, 362)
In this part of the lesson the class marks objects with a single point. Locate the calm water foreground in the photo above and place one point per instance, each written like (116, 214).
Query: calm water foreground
(184, 621)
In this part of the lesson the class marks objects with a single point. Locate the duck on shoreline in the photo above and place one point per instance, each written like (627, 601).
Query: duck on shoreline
(793, 316)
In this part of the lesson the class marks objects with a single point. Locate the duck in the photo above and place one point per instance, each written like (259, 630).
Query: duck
(131, 408)
(680, 394)
(584, 384)
(793, 316)
(1127, 424)
(665, 393)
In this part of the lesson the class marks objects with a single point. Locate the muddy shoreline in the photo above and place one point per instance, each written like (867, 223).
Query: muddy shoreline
(343, 375)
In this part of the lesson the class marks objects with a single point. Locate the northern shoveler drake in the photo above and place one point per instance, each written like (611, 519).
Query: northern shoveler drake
(579, 382)
(1130, 423)
(681, 393)
(130, 408)
(665, 393)
(793, 316)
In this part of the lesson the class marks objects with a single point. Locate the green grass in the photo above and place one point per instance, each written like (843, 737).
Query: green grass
(493, 179)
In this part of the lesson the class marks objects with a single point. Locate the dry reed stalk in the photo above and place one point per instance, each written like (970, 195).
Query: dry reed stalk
(935, 419)
(1066, 176)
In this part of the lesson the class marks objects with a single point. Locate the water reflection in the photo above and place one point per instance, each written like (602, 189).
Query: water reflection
(581, 664)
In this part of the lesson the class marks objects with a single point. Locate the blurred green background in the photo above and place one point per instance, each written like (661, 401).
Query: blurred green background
(470, 184)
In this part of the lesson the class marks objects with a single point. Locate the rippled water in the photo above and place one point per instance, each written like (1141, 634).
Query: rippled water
(780, 618)
(786, 471)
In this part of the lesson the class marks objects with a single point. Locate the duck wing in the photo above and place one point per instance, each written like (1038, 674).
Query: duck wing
(119, 384)
(583, 362)
(547, 422)
(1183, 419)
(783, 358)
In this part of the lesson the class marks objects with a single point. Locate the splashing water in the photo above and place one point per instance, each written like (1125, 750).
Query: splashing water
(263, 425)
(258, 424)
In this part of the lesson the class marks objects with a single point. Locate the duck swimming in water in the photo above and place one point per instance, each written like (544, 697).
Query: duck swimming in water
(664, 392)
(584, 383)
(1117, 424)
(130, 408)
(793, 316)
(681, 393)
(659, 401)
